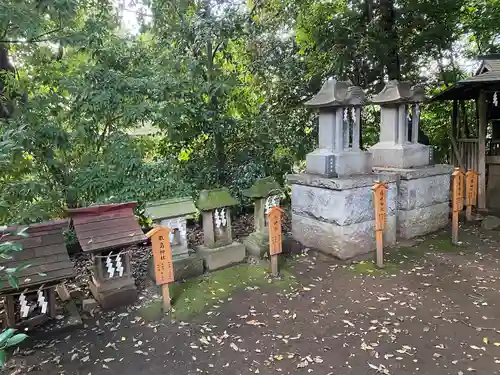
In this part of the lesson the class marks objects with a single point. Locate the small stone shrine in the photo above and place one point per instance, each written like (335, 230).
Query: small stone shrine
(44, 250)
(218, 249)
(332, 202)
(107, 232)
(173, 213)
(423, 189)
(266, 194)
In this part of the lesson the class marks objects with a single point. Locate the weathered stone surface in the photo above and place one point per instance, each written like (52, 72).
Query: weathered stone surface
(89, 304)
(339, 207)
(399, 92)
(220, 257)
(215, 198)
(409, 155)
(262, 188)
(341, 164)
(184, 268)
(423, 220)
(343, 242)
(344, 183)
(111, 295)
(490, 222)
(256, 244)
(335, 93)
(413, 173)
(423, 192)
(169, 208)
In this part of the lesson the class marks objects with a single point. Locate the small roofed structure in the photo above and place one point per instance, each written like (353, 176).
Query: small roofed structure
(47, 263)
(107, 232)
(173, 213)
(473, 145)
(218, 249)
(398, 101)
(338, 153)
(337, 93)
(265, 193)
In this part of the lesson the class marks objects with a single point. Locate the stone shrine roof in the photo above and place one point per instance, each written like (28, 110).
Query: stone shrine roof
(215, 198)
(262, 188)
(396, 92)
(335, 93)
(170, 208)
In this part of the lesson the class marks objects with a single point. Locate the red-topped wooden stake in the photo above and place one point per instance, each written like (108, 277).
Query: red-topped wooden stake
(380, 205)
(162, 256)
(275, 237)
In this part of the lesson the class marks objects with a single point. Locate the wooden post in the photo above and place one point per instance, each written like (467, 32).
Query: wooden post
(483, 123)
(471, 178)
(275, 237)
(458, 202)
(380, 205)
(162, 256)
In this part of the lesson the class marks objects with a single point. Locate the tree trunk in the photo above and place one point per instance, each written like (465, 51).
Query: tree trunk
(389, 39)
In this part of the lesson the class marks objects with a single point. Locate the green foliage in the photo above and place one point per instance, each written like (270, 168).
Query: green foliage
(221, 83)
(8, 339)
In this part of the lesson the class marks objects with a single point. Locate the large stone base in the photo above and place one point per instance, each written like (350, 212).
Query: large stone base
(120, 292)
(423, 199)
(256, 244)
(184, 267)
(336, 216)
(337, 164)
(220, 257)
(409, 155)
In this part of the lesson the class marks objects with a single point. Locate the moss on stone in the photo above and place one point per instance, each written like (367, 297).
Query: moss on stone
(215, 198)
(262, 188)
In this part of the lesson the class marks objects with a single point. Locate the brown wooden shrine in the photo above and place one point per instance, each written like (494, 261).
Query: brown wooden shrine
(45, 251)
(107, 232)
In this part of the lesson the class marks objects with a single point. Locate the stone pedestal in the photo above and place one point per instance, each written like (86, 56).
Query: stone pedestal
(423, 199)
(222, 256)
(185, 267)
(338, 164)
(407, 155)
(336, 215)
(115, 293)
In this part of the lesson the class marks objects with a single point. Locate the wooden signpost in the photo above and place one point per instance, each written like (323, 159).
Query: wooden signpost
(275, 237)
(458, 202)
(162, 256)
(380, 203)
(471, 181)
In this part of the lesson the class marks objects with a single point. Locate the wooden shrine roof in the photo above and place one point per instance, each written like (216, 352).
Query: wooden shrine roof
(44, 250)
(106, 227)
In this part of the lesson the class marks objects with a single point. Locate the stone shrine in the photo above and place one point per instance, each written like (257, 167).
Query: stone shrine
(394, 148)
(332, 202)
(173, 213)
(266, 194)
(423, 189)
(218, 249)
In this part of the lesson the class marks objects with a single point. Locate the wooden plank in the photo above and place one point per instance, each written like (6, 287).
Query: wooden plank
(49, 239)
(483, 123)
(41, 252)
(88, 230)
(55, 278)
(113, 215)
(115, 233)
(51, 312)
(114, 243)
(10, 312)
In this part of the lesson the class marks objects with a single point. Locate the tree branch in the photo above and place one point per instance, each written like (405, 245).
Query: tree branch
(106, 128)
(35, 39)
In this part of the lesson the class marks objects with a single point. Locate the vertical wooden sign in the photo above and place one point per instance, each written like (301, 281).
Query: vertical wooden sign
(380, 205)
(471, 181)
(162, 257)
(457, 201)
(275, 237)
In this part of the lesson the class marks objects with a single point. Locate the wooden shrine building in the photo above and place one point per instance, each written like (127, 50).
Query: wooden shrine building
(43, 263)
(475, 128)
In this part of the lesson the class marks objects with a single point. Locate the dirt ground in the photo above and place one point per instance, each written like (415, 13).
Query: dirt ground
(435, 309)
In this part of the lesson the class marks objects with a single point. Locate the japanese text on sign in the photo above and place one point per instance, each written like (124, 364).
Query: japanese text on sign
(471, 178)
(274, 224)
(162, 255)
(458, 196)
(380, 202)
